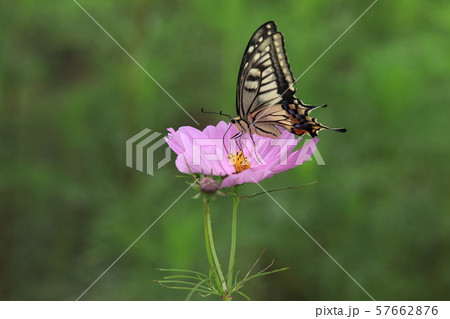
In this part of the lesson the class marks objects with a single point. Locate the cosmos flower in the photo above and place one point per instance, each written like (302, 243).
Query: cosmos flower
(214, 152)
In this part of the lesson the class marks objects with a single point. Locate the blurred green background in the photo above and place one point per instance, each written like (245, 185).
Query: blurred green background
(70, 98)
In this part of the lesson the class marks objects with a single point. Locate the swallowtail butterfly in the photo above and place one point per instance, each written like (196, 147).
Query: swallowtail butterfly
(265, 99)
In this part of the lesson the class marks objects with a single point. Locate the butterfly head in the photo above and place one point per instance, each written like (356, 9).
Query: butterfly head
(240, 124)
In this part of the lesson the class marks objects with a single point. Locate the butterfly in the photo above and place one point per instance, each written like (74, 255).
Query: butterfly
(265, 97)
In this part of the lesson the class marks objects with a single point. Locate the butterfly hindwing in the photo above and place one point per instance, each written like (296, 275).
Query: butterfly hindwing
(292, 117)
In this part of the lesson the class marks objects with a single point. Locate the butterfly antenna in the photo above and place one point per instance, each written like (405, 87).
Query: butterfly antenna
(217, 113)
(225, 114)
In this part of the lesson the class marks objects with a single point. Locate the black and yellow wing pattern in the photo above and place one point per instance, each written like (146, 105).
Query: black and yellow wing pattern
(265, 97)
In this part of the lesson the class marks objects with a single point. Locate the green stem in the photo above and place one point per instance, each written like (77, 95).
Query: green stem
(236, 201)
(214, 264)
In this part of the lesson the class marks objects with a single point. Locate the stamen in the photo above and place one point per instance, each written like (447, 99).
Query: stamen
(239, 162)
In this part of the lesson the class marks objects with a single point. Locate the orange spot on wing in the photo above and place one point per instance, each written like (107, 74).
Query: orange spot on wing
(299, 132)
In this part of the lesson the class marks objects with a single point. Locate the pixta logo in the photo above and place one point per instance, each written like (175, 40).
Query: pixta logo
(141, 148)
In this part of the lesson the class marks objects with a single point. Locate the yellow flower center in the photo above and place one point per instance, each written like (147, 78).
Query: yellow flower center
(239, 162)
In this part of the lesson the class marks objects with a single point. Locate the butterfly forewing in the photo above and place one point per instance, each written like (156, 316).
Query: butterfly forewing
(257, 38)
(265, 93)
(265, 77)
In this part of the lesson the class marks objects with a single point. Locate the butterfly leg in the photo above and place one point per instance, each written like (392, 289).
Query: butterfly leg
(238, 134)
(234, 137)
(238, 139)
(255, 155)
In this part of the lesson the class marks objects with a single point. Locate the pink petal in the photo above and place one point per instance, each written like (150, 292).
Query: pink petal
(247, 176)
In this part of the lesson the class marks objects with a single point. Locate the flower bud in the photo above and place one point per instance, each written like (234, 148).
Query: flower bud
(208, 185)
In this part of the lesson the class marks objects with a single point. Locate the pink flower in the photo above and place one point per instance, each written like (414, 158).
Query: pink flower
(205, 152)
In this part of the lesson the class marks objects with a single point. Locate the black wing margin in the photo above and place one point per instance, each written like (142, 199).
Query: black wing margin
(265, 77)
(257, 38)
